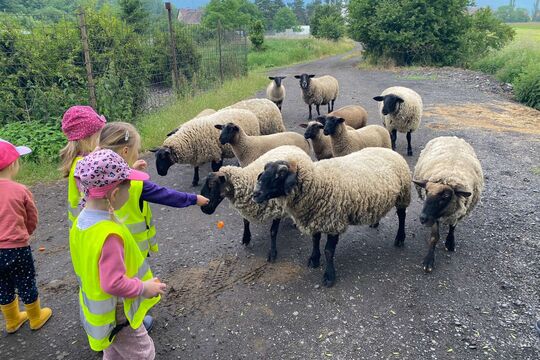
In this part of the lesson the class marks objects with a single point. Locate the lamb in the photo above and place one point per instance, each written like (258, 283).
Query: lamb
(450, 175)
(196, 142)
(248, 148)
(268, 114)
(319, 91)
(205, 112)
(401, 110)
(355, 116)
(346, 141)
(322, 145)
(329, 195)
(275, 91)
(236, 184)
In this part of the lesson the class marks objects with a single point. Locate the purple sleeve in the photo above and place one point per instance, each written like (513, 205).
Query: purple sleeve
(153, 193)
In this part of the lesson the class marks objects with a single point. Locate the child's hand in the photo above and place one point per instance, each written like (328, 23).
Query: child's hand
(153, 288)
(140, 165)
(201, 200)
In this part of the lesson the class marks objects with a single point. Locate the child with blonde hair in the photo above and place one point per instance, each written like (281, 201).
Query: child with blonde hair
(81, 125)
(18, 220)
(116, 286)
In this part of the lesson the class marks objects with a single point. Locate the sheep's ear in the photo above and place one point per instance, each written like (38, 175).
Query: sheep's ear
(321, 119)
(219, 127)
(320, 125)
(461, 191)
(421, 183)
(172, 132)
(340, 120)
(311, 75)
(303, 125)
(283, 77)
(297, 76)
(154, 150)
(271, 77)
(399, 100)
(378, 98)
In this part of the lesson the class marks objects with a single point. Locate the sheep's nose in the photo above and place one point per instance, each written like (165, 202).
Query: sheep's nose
(326, 132)
(423, 218)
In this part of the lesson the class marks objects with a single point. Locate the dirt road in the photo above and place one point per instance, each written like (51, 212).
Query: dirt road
(226, 302)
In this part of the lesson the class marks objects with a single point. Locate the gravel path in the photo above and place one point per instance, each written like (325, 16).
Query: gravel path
(226, 302)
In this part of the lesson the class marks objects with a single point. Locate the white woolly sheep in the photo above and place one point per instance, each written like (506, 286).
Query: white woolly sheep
(197, 141)
(248, 148)
(450, 175)
(275, 91)
(401, 110)
(205, 112)
(236, 184)
(345, 141)
(268, 114)
(319, 91)
(329, 195)
(355, 116)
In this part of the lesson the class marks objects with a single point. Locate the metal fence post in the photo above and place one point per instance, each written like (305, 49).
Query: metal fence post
(87, 62)
(246, 68)
(176, 78)
(219, 30)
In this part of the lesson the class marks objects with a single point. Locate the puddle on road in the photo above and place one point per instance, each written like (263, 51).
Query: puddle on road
(498, 116)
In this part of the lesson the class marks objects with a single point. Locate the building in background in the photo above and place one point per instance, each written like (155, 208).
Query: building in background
(190, 16)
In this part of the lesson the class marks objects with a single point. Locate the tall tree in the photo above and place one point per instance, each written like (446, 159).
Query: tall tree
(536, 11)
(284, 19)
(299, 10)
(232, 14)
(269, 9)
(134, 13)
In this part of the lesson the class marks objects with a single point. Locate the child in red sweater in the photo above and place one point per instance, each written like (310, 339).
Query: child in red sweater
(18, 220)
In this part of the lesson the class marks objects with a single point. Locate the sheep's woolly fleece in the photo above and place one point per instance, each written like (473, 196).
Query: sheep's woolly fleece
(355, 116)
(410, 111)
(275, 93)
(268, 114)
(451, 161)
(197, 141)
(206, 112)
(346, 141)
(321, 90)
(248, 148)
(357, 189)
(241, 181)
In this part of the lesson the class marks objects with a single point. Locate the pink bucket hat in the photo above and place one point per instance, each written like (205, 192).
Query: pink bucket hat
(80, 122)
(9, 153)
(101, 171)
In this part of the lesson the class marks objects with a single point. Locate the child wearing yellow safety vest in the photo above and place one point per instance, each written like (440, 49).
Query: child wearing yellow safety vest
(136, 214)
(81, 125)
(116, 285)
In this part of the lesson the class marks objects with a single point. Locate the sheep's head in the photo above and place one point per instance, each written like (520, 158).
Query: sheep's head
(331, 124)
(438, 200)
(229, 132)
(214, 189)
(305, 79)
(277, 79)
(278, 179)
(391, 103)
(312, 129)
(164, 160)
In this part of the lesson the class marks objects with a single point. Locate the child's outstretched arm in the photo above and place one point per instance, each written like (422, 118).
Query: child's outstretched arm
(156, 194)
(31, 213)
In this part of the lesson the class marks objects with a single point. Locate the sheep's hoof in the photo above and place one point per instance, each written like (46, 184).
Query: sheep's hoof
(246, 240)
(400, 241)
(195, 183)
(409, 152)
(329, 278)
(272, 256)
(450, 244)
(428, 264)
(314, 262)
(374, 226)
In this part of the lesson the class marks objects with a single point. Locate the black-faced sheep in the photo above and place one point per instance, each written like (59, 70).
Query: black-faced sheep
(319, 91)
(450, 175)
(401, 110)
(329, 195)
(275, 91)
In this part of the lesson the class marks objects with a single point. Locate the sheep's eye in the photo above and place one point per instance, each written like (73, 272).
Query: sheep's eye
(445, 195)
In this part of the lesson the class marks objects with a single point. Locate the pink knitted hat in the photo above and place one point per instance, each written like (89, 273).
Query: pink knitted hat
(101, 171)
(80, 122)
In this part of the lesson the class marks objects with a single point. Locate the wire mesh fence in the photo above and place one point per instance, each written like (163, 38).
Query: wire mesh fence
(47, 65)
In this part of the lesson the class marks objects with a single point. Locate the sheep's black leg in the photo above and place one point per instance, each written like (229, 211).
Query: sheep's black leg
(333, 102)
(329, 251)
(374, 226)
(318, 109)
(272, 254)
(279, 105)
(195, 180)
(329, 108)
(315, 259)
(310, 116)
(216, 165)
(450, 243)
(400, 237)
(393, 138)
(409, 147)
(246, 238)
(429, 260)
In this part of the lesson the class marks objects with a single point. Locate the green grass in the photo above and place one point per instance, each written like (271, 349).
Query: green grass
(535, 170)
(527, 31)
(32, 173)
(281, 52)
(418, 77)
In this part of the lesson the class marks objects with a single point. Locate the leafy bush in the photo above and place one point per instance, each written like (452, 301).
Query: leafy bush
(331, 27)
(437, 32)
(232, 14)
(527, 86)
(509, 13)
(45, 140)
(321, 13)
(256, 36)
(284, 19)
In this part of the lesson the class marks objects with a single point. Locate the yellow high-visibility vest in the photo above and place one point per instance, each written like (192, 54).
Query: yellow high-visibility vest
(74, 195)
(97, 308)
(139, 222)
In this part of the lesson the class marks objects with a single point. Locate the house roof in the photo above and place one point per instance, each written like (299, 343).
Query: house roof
(190, 16)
